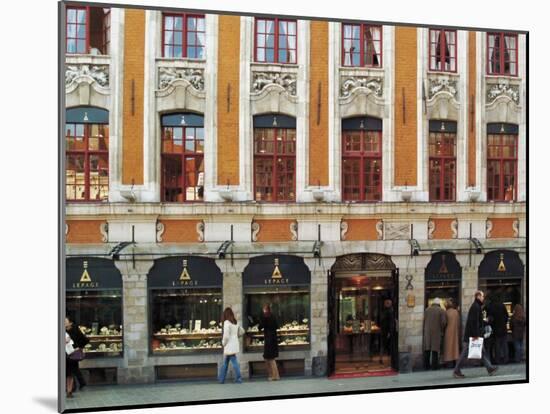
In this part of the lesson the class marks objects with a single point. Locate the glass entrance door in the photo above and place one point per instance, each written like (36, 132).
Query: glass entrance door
(360, 314)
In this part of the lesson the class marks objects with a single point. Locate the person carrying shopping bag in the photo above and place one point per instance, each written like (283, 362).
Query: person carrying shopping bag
(230, 341)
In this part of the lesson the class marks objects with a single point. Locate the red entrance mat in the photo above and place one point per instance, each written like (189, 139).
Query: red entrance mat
(382, 373)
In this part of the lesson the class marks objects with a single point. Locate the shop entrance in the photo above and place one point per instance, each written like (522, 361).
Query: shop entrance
(362, 317)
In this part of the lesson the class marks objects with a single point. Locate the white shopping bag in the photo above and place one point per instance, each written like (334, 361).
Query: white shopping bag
(475, 348)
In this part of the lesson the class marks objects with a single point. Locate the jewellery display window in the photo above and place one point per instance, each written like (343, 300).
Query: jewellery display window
(186, 321)
(98, 314)
(508, 291)
(290, 307)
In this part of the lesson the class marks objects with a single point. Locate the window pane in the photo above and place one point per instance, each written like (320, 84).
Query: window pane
(71, 15)
(168, 51)
(81, 16)
(169, 23)
(177, 38)
(177, 52)
(260, 55)
(178, 23)
(71, 30)
(81, 32)
(283, 55)
(270, 40)
(260, 24)
(201, 24)
(80, 46)
(71, 46)
(270, 55)
(191, 24)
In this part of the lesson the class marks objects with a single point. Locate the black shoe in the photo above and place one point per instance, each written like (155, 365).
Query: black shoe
(492, 371)
(458, 374)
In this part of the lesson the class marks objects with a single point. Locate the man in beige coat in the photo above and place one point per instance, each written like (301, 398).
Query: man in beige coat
(451, 350)
(435, 320)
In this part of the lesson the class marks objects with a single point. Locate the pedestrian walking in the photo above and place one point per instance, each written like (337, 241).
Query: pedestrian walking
(517, 323)
(435, 320)
(79, 341)
(498, 319)
(474, 329)
(230, 341)
(451, 337)
(387, 329)
(268, 324)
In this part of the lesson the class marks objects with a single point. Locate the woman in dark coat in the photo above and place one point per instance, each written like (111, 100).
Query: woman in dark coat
(268, 324)
(517, 323)
(79, 341)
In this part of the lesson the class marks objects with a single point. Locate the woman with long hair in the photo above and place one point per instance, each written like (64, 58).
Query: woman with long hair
(230, 341)
(75, 340)
(451, 341)
(269, 325)
(517, 323)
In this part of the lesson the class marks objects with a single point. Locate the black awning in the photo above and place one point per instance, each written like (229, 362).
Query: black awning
(502, 128)
(501, 264)
(358, 123)
(442, 126)
(443, 267)
(276, 270)
(185, 119)
(274, 121)
(186, 272)
(92, 273)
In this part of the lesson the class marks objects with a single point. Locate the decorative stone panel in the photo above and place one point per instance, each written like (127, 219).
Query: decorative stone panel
(362, 229)
(168, 75)
(502, 88)
(502, 228)
(397, 231)
(86, 231)
(178, 231)
(98, 73)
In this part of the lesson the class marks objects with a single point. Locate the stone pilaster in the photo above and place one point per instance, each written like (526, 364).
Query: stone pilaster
(233, 297)
(135, 368)
(469, 287)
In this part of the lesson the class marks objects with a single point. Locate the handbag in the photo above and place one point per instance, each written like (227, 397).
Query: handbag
(475, 348)
(77, 355)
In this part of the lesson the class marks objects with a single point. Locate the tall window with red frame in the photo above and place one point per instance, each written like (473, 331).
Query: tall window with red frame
(442, 154)
(362, 159)
(502, 54)
(183, 36)
(88, 30)
(182, 157)
(274, 158)
(361, 45)
(443, 50)
(502, 162)
(87, 154)
(276, 40)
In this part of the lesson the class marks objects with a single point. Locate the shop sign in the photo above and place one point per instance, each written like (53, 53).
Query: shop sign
(92, 273)
(85, 280)
(443, 267)
(276, 277)
(501, 264)
(280, 270)
(184, 272)
(185, 279)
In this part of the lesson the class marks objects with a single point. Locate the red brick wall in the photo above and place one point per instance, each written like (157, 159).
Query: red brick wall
(274, 230)
(180, 231)
(361, 229)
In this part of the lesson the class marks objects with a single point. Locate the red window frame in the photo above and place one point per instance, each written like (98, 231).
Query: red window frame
(184, 36)
(282, 154)
(276, 41)
(442, 152)
(184, 156)
(441, 47)
(504, 156)
(107, 32)
(366, 153)
(68, 23)
(83, 150)
(363, 52)
(503, 51)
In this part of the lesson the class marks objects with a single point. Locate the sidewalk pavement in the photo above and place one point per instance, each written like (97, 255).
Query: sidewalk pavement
(186, 392)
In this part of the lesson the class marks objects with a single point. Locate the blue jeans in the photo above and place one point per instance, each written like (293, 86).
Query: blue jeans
(518, 350)
(236, 369)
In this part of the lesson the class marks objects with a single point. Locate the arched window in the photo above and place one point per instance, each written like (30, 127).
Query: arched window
(87, 154)
(274, 158)
(502, 162)
(362, 159)
(442, 150)
(182, 157)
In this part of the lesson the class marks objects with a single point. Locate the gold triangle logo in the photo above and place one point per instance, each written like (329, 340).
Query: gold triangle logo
(85, 275)
(276, 272)
(443, 268)
(501, 267)
(184, 273)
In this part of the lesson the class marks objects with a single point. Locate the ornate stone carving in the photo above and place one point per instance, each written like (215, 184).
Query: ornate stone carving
(454, 228)
(261, 80)
(436, 85)
(255, 230)
(99, 73)
(380, 229)
(363, 262)
(348, 84)
(343, 230)
(431, 229)
(515, 226)
(200, 231)
(104, 230)
(397, 231)
(502, 89)
(488, 228)
(195, 76)
(160, 231)
(294, 230)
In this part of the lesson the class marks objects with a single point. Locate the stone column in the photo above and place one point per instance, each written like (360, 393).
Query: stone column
(318, 316)
(469, 287)
(411, 319)
(135, 368)
(233, 297)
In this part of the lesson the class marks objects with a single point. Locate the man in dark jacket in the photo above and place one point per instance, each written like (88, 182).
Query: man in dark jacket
(498, 318)
(474, 329)
(80, 341)
(387, 329)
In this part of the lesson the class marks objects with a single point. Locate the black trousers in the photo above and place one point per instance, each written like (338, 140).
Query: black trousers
(431, 360)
